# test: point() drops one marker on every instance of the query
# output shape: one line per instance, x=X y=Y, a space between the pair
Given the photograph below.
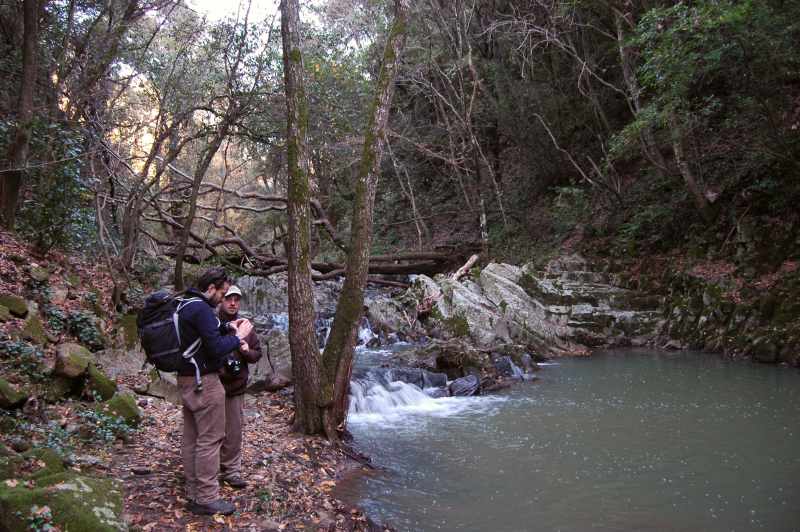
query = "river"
x=621 y=440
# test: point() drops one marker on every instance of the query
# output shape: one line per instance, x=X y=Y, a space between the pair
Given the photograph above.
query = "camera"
x=233 y=366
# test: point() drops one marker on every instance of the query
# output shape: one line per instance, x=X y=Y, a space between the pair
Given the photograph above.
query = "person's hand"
x=243 y=347
x=243 y=328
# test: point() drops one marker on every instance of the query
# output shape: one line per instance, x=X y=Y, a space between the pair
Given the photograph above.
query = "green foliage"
x=23 y=356
x=55 y=212
x=41 y=519
x=57 y=318
x=105 y=428
x=570 y=207
x=83 y=325
x=644 y=228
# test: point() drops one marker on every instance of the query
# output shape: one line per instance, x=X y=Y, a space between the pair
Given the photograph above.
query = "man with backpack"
x=234 y=375
x=204 y=401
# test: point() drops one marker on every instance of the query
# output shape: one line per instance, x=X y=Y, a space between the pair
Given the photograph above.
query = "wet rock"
x=16 y=305
x=765 y=350
x=506 y=367
x=10 y=397
x=72 y=360
x=407 y=375
x=436 y=393
x=465 y=386
x=433 y=380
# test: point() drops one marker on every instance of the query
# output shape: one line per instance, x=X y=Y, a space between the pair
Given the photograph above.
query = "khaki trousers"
x=231 y=454
x=203 y=432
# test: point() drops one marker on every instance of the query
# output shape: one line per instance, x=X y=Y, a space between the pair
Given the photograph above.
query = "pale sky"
x=217 y=9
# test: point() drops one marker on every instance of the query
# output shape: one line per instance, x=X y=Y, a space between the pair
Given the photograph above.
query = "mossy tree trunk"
x=337 y=359
x=302 y=338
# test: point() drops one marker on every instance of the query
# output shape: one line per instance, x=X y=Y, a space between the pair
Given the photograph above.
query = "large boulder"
x=264 y=295
x=528 y=317
x=275 y=365
x=465 y=386
x=72 y=360
x=385 y=315
x=162 y=385
x=10 y=397
x=120 y=362
x=455 y=358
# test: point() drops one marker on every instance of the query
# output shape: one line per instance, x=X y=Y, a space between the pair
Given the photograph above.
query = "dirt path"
x=290 y=477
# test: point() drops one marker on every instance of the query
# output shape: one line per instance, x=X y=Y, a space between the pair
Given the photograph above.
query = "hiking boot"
x=217 y=507
x=234 y=482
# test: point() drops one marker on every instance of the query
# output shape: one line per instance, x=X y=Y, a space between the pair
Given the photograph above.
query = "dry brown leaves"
x=290 y=477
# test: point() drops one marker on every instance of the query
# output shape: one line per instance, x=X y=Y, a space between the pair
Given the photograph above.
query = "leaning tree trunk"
x=199 y=173
x=337 y=360
x=302 y=339
x=17 y=155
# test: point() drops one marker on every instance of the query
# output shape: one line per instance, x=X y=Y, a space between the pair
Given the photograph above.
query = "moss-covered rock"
x=10 y=466
x=72 y=360
x=10 y=397
x=77 y=503
x=46 y=462
x=5 y=314
x=98 y=383
x=130 y=332
x=58 y=388
x=122 y=405
x=15 y=304
x=33 y=331
x=39 y=274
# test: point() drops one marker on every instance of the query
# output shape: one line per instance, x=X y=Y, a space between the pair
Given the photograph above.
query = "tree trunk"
x=199 y=174
x=17 y=155
x=337 y=360
x=302 y=339
x=700 y=200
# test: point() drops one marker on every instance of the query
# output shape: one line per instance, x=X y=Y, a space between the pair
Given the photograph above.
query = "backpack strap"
x=190 y=351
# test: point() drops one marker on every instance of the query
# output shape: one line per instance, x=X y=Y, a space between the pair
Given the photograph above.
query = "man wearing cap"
x=234 y=375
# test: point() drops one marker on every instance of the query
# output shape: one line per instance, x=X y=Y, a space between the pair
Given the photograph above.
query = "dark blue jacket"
x=198 y=320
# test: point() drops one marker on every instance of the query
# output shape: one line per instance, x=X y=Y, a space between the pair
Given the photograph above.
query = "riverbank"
x=55 y=432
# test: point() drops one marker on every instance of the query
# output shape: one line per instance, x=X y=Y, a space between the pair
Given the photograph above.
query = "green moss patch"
x=33 y=331
x=16 y=305
x=129 y=330
x=10 y=397
x=5 y=314
x=122 y=405
x=98 y=383
x=77 y=503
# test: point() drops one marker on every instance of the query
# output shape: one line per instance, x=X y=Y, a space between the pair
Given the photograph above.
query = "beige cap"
x=233 y=291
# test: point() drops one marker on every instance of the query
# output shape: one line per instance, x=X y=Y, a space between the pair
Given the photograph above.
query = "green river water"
x=622 y=440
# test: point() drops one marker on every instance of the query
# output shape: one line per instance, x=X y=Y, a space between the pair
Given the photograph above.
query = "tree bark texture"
x=302 y=339
x=17 y=156
x=337 y=359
